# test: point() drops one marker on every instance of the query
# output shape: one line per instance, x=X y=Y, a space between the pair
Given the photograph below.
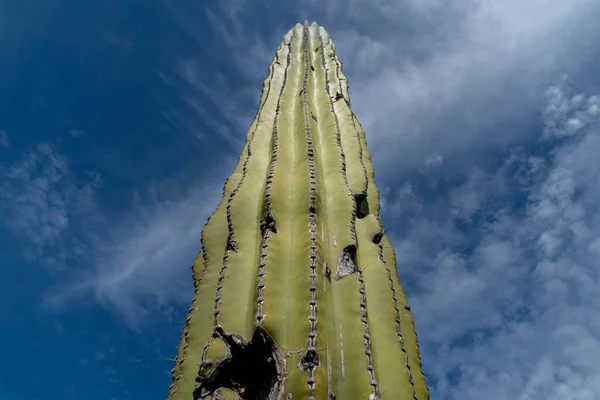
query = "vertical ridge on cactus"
x=296 y=292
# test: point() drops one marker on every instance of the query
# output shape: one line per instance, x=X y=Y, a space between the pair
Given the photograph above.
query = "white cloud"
x=434 y=160
x=565 y=117
x=445 y=76
x=427 y=77
x=41 y=197
x=508 y=307
x=135 y=261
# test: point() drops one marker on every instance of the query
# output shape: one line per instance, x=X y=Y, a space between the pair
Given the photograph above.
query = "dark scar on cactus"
x=268 y=224
x=362 y=205
x=376 y=239
x=231 y=245
x=346 y=264
x=253 y=370
x=309 y=360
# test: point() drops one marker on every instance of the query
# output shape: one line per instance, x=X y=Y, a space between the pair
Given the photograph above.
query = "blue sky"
x=120 y=121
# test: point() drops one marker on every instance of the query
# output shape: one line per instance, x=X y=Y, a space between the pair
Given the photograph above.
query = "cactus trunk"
x=296 y=291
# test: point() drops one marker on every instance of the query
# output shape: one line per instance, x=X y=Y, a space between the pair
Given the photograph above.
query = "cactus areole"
x=296 y=291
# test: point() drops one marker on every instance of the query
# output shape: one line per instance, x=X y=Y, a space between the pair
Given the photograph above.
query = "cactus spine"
x=296 y=292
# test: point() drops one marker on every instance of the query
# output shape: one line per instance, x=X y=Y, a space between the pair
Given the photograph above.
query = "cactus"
x=296 y=291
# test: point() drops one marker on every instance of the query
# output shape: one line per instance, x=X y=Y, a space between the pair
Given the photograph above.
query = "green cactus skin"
x=296 y=292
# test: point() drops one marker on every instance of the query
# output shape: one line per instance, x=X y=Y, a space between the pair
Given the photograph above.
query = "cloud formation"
x=135 y=262
x=428 y=79
x=505 y=285
x=44 y=203
x=140 y=261
x=452 y=78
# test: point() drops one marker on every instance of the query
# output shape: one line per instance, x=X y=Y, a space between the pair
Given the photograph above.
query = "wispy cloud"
x=221 y=81
x=135 y=261
x=434 y=160
x=4 y=142
x=44 y=201
x=76 y=132
x=140 y=262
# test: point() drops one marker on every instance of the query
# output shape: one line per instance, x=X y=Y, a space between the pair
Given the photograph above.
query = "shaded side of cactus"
x=296 y=291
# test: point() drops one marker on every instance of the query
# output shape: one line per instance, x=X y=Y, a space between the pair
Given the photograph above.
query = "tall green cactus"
x=297 y=295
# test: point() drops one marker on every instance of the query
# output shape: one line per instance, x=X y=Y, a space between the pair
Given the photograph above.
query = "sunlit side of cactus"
x=296 y=291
